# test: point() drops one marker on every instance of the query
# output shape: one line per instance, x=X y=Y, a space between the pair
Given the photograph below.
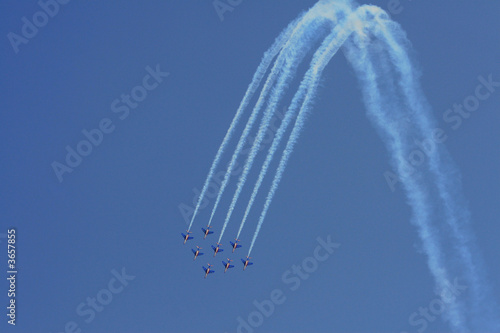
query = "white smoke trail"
x=378 y=52
x=446 y=178
x=269 y=55
x=305 y=42
x=375 y=77
x=290 y=114
x=391 y=94
x=311 y=81
x=283 y=67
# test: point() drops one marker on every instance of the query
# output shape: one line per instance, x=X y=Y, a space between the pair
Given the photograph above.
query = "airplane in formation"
x=246 y=262
x=217 y=249
x=186 y=236
x=235 y=245
x=227 y=265
x=207 y=231
x=197 y=252
x=208 y=270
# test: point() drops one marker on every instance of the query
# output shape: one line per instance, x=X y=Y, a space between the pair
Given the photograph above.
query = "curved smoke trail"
x=378 y=52
x=283 y=69
x=311 y=81
x=330 y=45
x=306 y=42
x=376 y=79
x=269 y=55
x=465 y=260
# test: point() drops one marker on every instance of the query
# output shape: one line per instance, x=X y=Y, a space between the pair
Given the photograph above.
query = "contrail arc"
x=283 y=68
x=311 y=80
x=269 y=55
x=378 y=51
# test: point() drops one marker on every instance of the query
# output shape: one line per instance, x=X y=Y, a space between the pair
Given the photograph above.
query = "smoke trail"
x=278 y=91
x=284 y=67
x=257 y=78
x=379 y=105
x=445 y=176
x=378 y=52
x=392 y=94
x=433 y=190
x=291 y=113
x=311 y=81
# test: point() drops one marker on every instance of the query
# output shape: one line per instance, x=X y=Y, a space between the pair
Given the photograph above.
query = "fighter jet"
x=207 y=231
x=217 y=249
x=246 y=262
x=186 y=236
x=197 y=252
x=208 y=270
x=235 y=245
x=227 y=265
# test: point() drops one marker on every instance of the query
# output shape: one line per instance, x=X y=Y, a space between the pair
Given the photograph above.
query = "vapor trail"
x=306 y=41
x=377 y=85
x=377 y=48
x=433 y=189
x=290 y=114
x=283 y=68
x=307 y=92
x=465 y=260
x=269 y=55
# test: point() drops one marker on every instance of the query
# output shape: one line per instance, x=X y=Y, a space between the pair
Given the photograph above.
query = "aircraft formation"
x=217 y=249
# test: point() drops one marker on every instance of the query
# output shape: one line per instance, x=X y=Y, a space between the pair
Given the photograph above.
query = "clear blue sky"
x=119 y=208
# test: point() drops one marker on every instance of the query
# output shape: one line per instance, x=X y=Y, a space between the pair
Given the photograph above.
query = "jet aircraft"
x=208 y=270
x=235 y=245
x=197 y=252
x=217 y=249
x=207 y=231
x=246 y=262
x=186 y=236
x=227 y=265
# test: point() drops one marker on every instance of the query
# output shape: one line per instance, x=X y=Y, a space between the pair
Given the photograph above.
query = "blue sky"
x=117 y=212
